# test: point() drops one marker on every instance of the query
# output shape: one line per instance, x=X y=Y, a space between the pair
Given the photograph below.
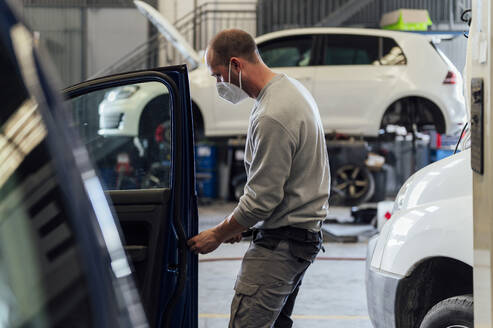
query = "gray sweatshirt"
x=286 y=160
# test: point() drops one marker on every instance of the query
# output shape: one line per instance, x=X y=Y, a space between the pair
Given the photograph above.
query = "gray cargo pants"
x=266 y=287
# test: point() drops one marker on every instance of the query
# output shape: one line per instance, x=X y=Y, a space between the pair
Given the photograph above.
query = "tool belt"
x=303 y=244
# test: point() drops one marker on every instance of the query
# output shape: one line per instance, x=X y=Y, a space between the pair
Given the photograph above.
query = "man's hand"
x=205 y=242
x=228 y=231
x=234 y=239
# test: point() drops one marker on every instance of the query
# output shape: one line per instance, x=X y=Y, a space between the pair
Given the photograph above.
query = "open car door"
x=148 y=176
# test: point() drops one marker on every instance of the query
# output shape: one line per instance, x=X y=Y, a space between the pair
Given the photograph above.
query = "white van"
x=419 y=268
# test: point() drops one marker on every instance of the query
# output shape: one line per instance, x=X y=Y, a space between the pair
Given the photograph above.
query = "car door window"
x=391 y=53
x=340 y=49
x=287 y=52
x=127 y=131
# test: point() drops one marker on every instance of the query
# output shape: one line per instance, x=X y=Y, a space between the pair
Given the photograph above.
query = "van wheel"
x=454 y=312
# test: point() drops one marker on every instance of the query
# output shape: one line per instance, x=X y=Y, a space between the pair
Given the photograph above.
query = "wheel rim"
x=457 y=326
x=352 y=181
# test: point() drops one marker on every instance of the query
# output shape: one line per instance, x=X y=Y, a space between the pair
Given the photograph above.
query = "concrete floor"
x=333 y=291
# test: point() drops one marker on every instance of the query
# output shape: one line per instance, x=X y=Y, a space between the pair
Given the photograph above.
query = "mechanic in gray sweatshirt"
x=286 y=195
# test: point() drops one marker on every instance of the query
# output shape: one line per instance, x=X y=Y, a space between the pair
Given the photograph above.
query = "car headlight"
x=122 y=93
x=401 y=196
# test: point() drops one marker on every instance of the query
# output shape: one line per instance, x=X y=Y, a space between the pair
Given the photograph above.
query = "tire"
x=454 y=312
x=380 y=193
x=154 y=113
x=352 y=184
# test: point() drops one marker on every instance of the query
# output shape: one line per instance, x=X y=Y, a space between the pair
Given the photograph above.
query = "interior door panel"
x=144 y=220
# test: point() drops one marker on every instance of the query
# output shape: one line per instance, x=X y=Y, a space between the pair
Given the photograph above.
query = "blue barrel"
x=206 y=184
x=206 y=171
x=205 y=157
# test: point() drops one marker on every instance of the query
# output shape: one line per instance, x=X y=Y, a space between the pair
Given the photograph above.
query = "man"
x=287 y=189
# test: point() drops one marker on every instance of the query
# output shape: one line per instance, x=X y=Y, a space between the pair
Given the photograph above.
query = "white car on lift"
x=362 y=80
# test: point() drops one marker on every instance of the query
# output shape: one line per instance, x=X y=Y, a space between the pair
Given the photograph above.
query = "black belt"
x=290 y=233
x=303 y=244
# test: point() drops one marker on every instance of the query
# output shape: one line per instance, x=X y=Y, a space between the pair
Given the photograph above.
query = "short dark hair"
x=233 y=43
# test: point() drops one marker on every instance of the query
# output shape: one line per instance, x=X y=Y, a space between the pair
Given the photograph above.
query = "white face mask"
x=230 y=92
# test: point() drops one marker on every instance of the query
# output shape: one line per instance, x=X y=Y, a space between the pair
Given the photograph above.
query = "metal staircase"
x=197 y=27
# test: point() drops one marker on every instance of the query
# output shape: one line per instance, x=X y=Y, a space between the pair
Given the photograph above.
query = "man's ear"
x=236 y=63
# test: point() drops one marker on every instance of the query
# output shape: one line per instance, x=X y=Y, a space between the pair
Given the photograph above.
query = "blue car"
x=93 y=227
